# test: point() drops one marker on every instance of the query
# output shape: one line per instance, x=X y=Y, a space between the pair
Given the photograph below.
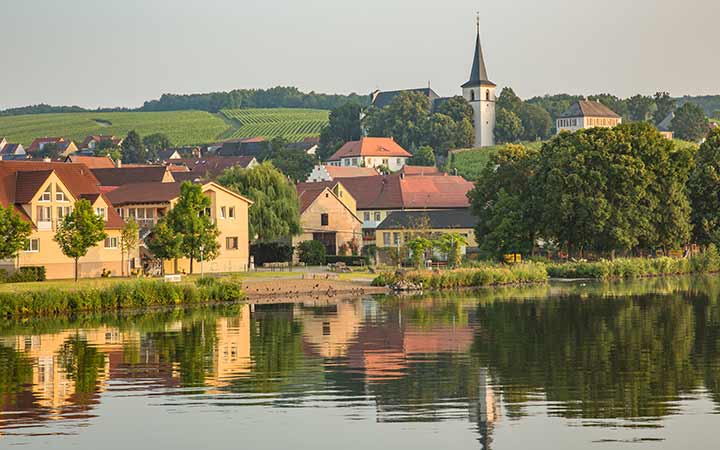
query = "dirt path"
x=296 y=290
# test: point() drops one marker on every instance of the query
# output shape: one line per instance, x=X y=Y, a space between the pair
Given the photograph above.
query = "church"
x=479 y=91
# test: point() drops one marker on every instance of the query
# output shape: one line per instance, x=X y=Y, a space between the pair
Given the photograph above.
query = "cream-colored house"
x=400 y=226
x=147 y=203
x=587 y=114
x=328 y=215
x=43 y=193
x=371 y=152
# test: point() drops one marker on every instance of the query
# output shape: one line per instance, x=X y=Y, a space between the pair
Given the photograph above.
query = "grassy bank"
x=115 y=297
x=490 y=275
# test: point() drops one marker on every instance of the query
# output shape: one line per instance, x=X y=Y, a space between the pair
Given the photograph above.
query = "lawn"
x=293 y=124
x=182 y=127
x=471 y=162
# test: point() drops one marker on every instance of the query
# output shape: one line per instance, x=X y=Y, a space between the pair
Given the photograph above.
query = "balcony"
x=44 y=225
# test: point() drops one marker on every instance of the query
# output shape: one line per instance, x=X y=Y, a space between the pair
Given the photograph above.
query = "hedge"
x=23 y=275
x=348 y=260
x=490 y=275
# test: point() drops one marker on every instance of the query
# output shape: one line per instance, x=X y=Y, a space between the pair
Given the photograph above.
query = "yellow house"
x=399 y=226
x=43 y=193
x=147 y=203
x=328 y=215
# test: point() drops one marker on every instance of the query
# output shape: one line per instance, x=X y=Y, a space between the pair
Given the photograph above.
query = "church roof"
x=384 y=98
x=478 y=73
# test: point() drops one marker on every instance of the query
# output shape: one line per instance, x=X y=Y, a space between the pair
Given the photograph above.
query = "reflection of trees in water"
x=189 y=349
x=82 y=364
x=15 y=375
x=598 y=358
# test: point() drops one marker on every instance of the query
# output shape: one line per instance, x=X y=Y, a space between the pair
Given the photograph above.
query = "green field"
x=292 y=124
x=471 y=162
x=182 y=127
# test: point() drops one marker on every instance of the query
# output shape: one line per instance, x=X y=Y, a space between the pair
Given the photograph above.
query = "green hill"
x=472 y=161
x=290 y=123
x=182 y=127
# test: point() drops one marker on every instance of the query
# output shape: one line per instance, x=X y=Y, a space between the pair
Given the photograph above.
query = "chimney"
x=118 y=163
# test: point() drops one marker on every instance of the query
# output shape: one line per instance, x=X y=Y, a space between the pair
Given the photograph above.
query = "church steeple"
x=478 y=73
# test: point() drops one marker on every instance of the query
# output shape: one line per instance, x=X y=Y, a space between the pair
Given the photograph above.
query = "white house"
x=371 y=152
x=587 y=114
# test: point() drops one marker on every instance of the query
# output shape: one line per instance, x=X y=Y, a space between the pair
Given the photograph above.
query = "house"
x=307 y=146
x=210 y=167
x=92 y=142
x=587 y=114
x=64 y=146
x=330 y=173
x=92 y=162
x=164 y=155
x=378 y=196
x=43 y=193
x=148 y=202
x=371 y=152
x=244 y=147
x=13 y=152
x=119 y=176
x=665 y=127
x=395 y=230
x=328 y=215
x=3 y=143
x=381 y=99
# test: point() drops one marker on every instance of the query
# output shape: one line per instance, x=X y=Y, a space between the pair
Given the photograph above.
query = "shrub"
x=311 y=253
x=270 y=252
x=487 y=275
x=348 y=260
x=27 y=274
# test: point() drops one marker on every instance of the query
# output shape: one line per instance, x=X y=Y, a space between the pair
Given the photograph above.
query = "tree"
x=704 y=187
x=457 y=108
x=50 y=150
x=613 y=102
x=536 y=122
x=275 y=213
x=664 y=105
x=450 y=244
x=79 y=231
x=406 y=119
x=509 y=101
x=129 y=240
x=164 y=243
x=343 y=126
x=296 y=164
x=690 y=123
x=418 y=246
x=442 y=133
x=424 y=156
x=640 y=107
x=508 y=127
x=311 y=253
x=14 y=231
x=155 y=143
x=189 y=220
x=133 y=150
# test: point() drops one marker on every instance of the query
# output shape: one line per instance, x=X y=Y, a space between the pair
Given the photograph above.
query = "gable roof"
x=100 y=138
x=213 y=166
x=119 y=176
x=28 y=183
x=144 y=192
x=383 y=98
x=309 y=192
x=11 y=149
x=666 y=124
x=448 y=219
x=588 y=108
x=478 y=73
x=92 y=162
x=397 y=191
x=37 y=142
x=421 y=170
x=370 y=146
x=349 y=171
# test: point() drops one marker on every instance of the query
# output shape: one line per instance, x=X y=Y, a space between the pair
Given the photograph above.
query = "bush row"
x=348 y=260
x=23 y=275
x=489 y=275
x=706 y=262
x=130 y=295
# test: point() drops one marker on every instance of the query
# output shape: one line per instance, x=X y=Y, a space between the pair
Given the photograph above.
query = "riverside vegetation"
x=128 y=295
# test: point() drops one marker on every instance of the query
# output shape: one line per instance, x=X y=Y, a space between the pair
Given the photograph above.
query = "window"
x=386 y=239
x=101 y=212
x=487 y=95
x=385 y=162
x=62 y=211
x=324 y=220
x=33 y=246
x=60 y=195
x=231 y=243
x=396 y=238
x=399 y=161
x=111 y=242
x=222 y=212
x=44 y=213
x=47 y=195
x=366 y=216
x=377 y=216
x=231 y=212
x=472 y=96
x=326 y=328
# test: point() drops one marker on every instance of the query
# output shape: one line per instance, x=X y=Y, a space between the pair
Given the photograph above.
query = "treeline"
x=277 y=97
x=623 y=191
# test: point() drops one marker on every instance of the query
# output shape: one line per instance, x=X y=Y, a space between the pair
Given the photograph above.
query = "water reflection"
x=608 y=355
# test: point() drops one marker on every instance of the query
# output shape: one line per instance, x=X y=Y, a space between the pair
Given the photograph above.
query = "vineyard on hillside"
x=291 y=124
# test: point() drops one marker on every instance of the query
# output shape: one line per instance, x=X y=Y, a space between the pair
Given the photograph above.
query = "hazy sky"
x=122 y=52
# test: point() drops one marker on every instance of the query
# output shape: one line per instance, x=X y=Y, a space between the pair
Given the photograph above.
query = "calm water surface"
x=630 y=365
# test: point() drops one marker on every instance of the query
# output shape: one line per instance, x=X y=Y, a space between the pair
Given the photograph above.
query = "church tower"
x=479 y=91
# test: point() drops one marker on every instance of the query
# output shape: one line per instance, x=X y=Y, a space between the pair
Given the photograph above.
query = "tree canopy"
x=343 y=126
x=14 y=231
x=424 y=156
x=704 y=189
x=690 y=123
x=133 y=150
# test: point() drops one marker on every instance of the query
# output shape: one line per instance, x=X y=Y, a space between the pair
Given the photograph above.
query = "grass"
x=472 y=161
x=293 y=124
x=182 y=127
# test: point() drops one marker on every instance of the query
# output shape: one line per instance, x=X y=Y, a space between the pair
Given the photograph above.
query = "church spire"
x=478 y=73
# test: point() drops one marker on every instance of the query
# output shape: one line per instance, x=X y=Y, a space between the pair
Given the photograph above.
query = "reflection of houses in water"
x=328 y=330
x=232 y=352
x=486 y=412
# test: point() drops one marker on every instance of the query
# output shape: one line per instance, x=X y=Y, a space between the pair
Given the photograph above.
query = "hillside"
x=472 y=161
x=292 y=124
x=182 y=127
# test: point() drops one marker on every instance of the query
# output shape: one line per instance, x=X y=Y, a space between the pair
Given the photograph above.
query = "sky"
x=122 y=52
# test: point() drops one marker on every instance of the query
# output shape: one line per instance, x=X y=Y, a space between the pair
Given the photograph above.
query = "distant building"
x=164 y=155
x=330 y=173
x=13 y=152
x=587 y=114
x=381 y=99
x=392 y=231
x=3 y=143
x=92 y=142
x=209 y=167
x=92 y=162
x=371 y=152
x=244 y=147
x=665 y=127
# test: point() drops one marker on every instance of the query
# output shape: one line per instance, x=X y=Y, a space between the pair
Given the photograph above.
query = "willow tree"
x=275 y=213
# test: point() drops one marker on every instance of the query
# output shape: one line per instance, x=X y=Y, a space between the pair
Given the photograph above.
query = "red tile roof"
x=119 y=176
x=370 y=146
x=92 y=162
x=421 y=170
x=37 y=142
x=28 y=183
x=308 y=192
x=349 y=172
x=212 y=166
x=138 y=193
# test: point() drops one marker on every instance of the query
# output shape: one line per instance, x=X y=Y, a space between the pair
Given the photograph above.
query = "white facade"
x=573 y=124
x=482 y=99
x=394 y=163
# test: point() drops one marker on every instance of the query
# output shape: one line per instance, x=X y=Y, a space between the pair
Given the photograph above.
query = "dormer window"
x=101 y=212
x=60 y=195
x=47 y=195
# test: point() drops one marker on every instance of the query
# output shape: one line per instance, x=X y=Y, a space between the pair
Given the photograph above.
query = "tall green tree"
x=79 y=231
x=664 y=105
x=129 y=240
x=50 y=150
x=155 y=143
x=14 y=231
x=690 y=123
x=536 y=122
x=509 y=101
x=275 y=213
x=451 y=245
x=406 y=119
x=508 y=126
x=344 y=125
x=190 y=219
x=296 y=164
x=424 y=156
x=133 y=150
x=457 y=108
x=640 y=107
x=164 y=243
x=704 y=186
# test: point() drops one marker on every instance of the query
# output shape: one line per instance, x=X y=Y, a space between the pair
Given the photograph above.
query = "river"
x=563 y=366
